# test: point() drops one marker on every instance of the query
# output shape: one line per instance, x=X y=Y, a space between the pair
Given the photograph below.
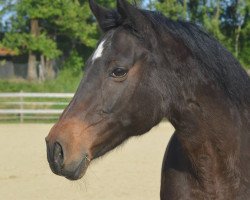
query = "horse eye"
x=119 y=72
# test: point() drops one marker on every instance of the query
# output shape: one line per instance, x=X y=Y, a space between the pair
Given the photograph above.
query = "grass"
x=65 y=82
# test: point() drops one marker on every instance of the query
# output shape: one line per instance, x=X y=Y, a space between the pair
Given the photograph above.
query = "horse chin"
x=79 y=172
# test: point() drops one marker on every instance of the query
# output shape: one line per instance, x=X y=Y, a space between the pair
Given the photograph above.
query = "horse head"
x=113 y=100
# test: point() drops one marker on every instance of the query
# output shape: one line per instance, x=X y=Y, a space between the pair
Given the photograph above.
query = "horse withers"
x=146 y=68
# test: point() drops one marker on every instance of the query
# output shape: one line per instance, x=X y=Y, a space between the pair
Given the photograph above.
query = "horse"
x=147 y=68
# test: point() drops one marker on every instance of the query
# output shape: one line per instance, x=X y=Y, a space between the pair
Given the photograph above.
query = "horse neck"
x=200 y=108
x=209 y=129
x=212 y=130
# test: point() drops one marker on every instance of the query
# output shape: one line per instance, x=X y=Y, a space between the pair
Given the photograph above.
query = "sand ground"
x=131 y=172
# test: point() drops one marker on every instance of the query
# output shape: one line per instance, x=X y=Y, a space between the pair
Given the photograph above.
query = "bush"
x=74 y=64
x=65 y=82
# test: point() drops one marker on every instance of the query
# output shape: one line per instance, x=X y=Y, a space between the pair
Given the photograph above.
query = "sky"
x=145 y=3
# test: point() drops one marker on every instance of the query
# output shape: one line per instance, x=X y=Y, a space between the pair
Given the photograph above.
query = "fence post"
x=21 y=107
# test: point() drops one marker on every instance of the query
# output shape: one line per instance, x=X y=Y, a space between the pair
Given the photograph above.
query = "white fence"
x=32 y=106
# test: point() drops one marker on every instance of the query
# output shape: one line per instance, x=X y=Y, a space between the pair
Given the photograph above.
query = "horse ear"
x=132 y=15
x=137 y=20
x=106 y=18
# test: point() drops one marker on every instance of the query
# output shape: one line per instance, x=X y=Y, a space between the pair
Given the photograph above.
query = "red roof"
x=6 y=52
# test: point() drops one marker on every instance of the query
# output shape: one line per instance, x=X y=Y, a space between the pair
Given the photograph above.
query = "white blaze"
x=99 y=51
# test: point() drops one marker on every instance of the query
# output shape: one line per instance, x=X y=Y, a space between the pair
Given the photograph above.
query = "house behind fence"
x=16 y=66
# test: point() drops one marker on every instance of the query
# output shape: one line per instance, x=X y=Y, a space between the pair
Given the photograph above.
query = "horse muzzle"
x=73 y=170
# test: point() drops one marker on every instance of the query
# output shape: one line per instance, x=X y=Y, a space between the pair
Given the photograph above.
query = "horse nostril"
x=58 y=156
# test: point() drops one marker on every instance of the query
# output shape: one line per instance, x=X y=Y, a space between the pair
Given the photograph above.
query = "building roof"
x=6 y=52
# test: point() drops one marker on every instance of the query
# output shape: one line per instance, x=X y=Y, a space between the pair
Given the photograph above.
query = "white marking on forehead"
x=99 y=51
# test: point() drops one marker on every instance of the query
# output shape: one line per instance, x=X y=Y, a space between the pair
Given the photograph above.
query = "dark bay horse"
x=146 y=68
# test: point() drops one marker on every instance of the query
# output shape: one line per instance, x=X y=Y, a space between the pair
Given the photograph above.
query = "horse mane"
x=216 y=63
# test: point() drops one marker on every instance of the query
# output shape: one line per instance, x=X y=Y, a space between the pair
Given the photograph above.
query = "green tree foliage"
x=171 y=8
x=50 y=29
x=67 y=17
x=74 y=63
x=22 y=42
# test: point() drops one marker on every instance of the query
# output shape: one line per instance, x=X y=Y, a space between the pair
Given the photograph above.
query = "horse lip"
x=80 y=171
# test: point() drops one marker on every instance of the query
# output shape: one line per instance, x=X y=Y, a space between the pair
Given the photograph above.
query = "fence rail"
x=32 y=106
x=38 y=95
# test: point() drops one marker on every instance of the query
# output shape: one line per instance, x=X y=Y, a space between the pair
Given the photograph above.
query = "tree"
x=26 y=35
x=170 y=8
x=39 y=27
